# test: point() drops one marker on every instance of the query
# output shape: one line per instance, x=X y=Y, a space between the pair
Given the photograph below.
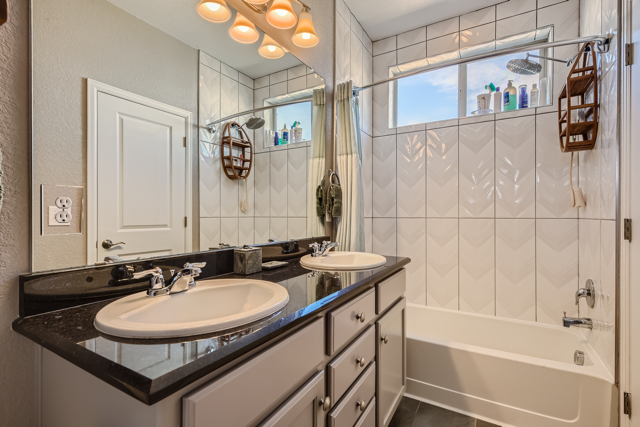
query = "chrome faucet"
x=181 y=281
x=322 y=250
x=588 y=293
x=578 y=322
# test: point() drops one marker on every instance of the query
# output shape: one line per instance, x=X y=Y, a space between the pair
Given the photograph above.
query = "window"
x=295 y=113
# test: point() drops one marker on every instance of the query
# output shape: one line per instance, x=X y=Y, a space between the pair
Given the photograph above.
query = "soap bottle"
x=276 y=139
x=285 y=135
x=510 y=97
x=524 y=97
x=533 y=96
x=292 y=134
x=298 y=132
x=497 y=100
x=543 y=92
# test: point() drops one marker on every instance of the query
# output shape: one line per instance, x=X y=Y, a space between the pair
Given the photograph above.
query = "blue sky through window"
x=295 y=113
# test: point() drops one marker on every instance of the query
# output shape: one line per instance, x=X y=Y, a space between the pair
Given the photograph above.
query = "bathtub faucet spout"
x=578 y=322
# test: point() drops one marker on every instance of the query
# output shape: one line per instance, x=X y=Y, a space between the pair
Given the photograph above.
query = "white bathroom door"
x=141 y=179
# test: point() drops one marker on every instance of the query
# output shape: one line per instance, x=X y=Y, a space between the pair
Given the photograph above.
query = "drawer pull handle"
x=362 y=405
x=361 y=361
x=385 y=339
x=325 y=403
x=360 y=317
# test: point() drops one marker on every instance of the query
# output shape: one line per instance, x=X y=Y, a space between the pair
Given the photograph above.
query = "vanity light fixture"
x=270 y=49
x=305 y=35
x=243 y=31
x=214 y=10
x=281 y=15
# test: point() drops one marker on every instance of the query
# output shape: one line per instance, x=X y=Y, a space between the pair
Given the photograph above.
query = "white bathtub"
x=508 y=372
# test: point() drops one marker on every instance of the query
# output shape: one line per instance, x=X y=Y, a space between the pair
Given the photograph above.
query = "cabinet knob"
x=325 y=403
x=384 y=339
x=362 y=405
x=360 y=317
x=361 y=361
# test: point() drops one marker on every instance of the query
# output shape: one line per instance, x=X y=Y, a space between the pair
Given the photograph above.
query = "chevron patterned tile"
x=442 y=172
x=516 y=268
x=261 y=169
x=608 y=144
x=246 y=232
x=229 y=196
x=343 y=50
x=556 y=268
x=208 y=100
x=367 y=174
x=411 y=179
x=384 y=176
x=411 y=240
x=477 y=266
x=381 y=111
x=261 y=230
x=278 y=228
x=297 y=182
x=477 y=170
x=278 y=185
x=442 y=263
x=368 y=235
x=229 y=231
x=516 y=168
x=229 y=96
x=210 y=169
x=209 y=233
x=384 y=236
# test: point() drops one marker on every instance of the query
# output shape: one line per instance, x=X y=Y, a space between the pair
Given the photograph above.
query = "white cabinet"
x=304 y=409
x=391 y=362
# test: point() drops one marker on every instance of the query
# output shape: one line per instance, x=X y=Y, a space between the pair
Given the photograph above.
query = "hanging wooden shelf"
x=582 y=82
x=237 y=152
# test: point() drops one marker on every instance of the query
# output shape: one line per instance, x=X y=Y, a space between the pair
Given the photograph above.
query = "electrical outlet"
x=59 y=216
x=64 y=202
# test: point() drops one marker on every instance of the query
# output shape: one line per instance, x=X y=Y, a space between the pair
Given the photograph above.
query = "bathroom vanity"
x=333 y=356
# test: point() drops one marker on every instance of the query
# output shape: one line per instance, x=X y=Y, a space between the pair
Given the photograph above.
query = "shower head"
x=254 y=123
x=524 y=67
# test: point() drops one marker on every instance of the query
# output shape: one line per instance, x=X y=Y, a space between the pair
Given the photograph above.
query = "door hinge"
x=185 y=222
x=628 y=54
x=627 y=404
x=184 y=140
x=627 y=229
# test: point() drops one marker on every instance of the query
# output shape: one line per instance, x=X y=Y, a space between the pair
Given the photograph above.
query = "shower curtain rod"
x=602 y=45
x=211 y=126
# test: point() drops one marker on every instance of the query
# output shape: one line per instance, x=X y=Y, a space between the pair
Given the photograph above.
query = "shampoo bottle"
x=533 y=96
x=285 y=135
x=524 y=97
x=542 y=99
x=298 y=132
x=510 y=97
x=497 y=100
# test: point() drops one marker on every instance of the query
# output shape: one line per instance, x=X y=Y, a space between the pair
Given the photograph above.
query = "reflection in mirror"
x=124 y=165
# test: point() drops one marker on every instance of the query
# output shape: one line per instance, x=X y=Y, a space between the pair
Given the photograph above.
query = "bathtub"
x=508 y=372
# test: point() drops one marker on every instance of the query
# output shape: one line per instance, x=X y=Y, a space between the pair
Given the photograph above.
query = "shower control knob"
x=362 y=405
x=385 y=339
x=361 y=361
x=360 y=317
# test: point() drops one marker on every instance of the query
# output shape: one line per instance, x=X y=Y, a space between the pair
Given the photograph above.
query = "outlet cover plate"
x=48 y=196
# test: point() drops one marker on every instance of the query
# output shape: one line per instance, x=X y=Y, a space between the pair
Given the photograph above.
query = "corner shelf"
x=581 y=80
x=236 y=165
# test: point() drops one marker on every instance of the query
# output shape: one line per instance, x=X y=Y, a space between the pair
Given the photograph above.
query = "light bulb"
x=271 y=48
x=243 y=28
x=306 y=36
x=281 y=12
x=213 y=6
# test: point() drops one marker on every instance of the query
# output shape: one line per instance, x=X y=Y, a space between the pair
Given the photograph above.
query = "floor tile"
x=433 y=416
x=481 y=423
x=405 y=413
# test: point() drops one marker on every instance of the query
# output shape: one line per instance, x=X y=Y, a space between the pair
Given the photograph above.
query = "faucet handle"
x=154 y=272
x=195 y=265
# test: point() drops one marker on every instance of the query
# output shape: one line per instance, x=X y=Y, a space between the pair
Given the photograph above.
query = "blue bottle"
x=276 y=140
x=524 y=97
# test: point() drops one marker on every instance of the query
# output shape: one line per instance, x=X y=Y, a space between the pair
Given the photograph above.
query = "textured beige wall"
x=76 y=40
x=17 y=354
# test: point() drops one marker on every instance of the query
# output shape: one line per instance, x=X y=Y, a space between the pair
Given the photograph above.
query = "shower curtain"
x=350 y=232
x=315 y=224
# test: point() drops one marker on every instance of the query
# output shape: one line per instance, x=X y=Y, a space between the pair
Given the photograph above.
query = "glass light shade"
x=281 y=15
x=270 y=49
x=258 y=2
x=214 y=10
x=243 y=31
x=305 y=35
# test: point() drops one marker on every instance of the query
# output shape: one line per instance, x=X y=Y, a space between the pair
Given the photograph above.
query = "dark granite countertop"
x=151 y=370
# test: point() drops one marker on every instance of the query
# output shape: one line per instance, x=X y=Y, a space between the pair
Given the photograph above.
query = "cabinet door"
x=303 y=409
x=390 y=357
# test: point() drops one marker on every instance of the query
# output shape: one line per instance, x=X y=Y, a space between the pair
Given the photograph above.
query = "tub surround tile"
x=384 y=236
x=278 y=228
x=442 y=263
x=516 y=268
x=229 y=196
x=477 y=266
x=477 y=170
x=384 y=177
x=516 y=25
x=297 y=182
x=368 y=235
x=514 y=7
x=381 y=111
x=477 y=35
x=556 y=269
x=209 y=61
x=411 y=241
x=262 y=167
x=262 y=229
x=443 y=28
x=278 y=186
x=442 y=172
x=356 y=60
x=479 y=17
x=412 y=53
x=590 y=181
x=411 y=166
x=412 y=37
x=209 y=179
x=209 y=233
x=384 y=46
x=296 y=228
x=443 y=44
x=608 y=149
x=367 y=174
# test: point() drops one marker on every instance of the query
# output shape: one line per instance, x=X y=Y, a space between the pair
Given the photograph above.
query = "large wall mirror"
x=127 y=140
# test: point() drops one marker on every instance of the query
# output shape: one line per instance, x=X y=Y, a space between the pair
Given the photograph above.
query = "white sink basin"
x=213 y=305
x=343 y=261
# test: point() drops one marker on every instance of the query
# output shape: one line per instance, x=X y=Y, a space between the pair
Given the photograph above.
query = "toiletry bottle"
x=298 y=131
x=510 y=97
x=292 y=134
x=533 y=96
x=497 y=100
x=276 y=139
x=285 y=135
x=523 y=101
x=542 y=98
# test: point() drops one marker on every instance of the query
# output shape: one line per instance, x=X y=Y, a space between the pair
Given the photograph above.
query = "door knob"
x=360 y=317
x=108 y=244
x=384 y=339
x=362 y=405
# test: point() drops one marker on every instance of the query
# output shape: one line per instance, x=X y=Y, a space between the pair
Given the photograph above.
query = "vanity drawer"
x=347 y=321
x=344 y=369
x=368 y=419
x=347 y=412
x=262 y=381
x=390 y=290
